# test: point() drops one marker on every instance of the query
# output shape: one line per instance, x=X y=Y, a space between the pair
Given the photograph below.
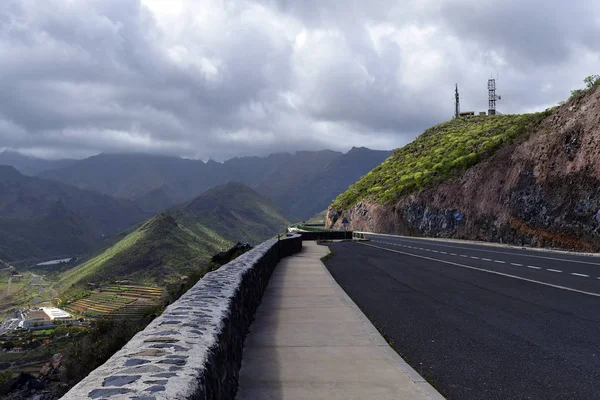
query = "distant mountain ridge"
x=156 y=183
x=31 y=165
x=40 y=218
x=184 y=237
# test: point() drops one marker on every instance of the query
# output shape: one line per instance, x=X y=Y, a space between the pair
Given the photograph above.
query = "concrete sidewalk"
x=310 y=341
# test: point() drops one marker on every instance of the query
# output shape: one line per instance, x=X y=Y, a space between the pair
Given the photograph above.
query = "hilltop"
x=183 y=238
x=529 y=179
x=41 y=219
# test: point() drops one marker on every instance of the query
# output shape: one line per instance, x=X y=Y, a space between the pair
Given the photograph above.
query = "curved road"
x=481 y=321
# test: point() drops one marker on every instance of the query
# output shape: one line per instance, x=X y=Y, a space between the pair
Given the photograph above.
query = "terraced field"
x=122 y=301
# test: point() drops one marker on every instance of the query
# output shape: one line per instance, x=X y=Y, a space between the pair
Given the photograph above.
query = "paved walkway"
x=310 y=341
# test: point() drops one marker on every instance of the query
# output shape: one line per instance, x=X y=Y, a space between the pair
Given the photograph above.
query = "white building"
x=56 y=314
x=43 y=316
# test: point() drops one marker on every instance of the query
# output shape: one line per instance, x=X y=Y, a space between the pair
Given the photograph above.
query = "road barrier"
x=326 y=235
x=194 y=349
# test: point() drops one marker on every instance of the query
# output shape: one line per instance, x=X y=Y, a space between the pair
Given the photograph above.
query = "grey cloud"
x=253 y=77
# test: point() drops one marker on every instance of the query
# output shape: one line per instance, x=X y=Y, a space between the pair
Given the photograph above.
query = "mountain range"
x=183 y=237
x=70 y=207
x=31 y=165
x=301 y=184
x=41 y=218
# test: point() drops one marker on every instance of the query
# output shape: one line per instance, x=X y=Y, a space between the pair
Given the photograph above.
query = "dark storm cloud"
x=529 y=33
x=219 y=79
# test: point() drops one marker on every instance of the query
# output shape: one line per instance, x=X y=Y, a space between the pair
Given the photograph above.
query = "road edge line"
x=421 y=383
x=487 y=270
x=489 y=244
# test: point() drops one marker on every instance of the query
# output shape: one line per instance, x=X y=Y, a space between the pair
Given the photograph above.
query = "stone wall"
x=194 y=349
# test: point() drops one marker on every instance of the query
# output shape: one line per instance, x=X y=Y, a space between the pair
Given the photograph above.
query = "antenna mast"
x=492 y=97
x=456 y=102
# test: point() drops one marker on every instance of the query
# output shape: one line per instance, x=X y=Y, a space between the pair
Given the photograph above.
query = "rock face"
x=194 y=349
x=544 y=191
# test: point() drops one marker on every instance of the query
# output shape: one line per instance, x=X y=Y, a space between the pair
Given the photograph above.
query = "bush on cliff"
x=437 y=155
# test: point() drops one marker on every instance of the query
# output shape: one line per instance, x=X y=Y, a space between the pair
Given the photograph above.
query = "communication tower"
x=492 y=97
x=456 y=102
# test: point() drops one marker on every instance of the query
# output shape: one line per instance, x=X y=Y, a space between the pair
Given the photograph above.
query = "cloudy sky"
x=222 y=78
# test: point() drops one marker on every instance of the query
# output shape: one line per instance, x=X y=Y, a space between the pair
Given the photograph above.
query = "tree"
x=591 y=81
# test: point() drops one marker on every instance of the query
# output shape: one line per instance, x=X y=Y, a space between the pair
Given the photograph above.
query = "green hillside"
x=236 y=212
x=172 y=243
x=43 y=219
x=438 y=155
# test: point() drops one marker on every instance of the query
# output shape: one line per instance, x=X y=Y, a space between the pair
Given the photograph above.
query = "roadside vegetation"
x=590 y=82
x=438 y=155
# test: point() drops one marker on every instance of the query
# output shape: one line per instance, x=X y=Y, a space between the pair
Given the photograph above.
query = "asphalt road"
x=481 y=322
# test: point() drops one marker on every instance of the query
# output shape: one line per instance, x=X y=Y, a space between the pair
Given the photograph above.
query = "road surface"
x=478 y=321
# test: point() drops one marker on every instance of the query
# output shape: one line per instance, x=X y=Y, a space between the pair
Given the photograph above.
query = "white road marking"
x=486 y=259
x=438 y=243
x=475 y=258
x=488 y=271
x=516 y=264
x=443 y=252
x=533 y=266
x=452 y=254
x=435 y=251
x=464 y=255
x=553 y=270
x=500 y=262
x=577 y=274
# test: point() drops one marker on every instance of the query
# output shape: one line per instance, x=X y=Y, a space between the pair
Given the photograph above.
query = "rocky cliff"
x=540 y=189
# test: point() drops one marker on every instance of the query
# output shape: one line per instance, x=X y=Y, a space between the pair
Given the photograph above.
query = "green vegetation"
x=438 y=155
x=318 y=218
x=590 y=82
x=309 y=228
x=180 y=241
x=159 y=249
x=116 y=300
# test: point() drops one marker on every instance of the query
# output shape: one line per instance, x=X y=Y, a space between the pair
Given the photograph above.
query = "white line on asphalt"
x=516 y=264
x=577 y=274
x=452 y=254
x=488 y=271
x=500 y=262
x=435 y=251
x=533 y=267
x=475 y=258
x=443 y=252
x=553 y=270
x=486 y=259
x=438 y=243
x=464 y=255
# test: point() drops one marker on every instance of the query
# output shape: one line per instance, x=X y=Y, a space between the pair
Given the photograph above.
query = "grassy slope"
x=166 y=245
x=158 y=249
x=237 y=213
x=438 y=155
